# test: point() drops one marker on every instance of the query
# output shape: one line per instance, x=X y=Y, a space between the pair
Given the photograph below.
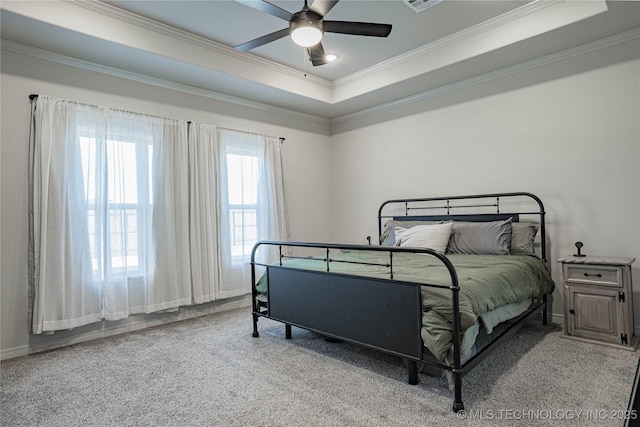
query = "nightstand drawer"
x=597 y=275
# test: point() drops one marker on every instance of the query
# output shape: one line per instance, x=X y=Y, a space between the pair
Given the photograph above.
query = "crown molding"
x=617 y=39
x=112 y=12
x=521 y=24
x=22 y=49
x=191 y=48
x=611 y=41
x=498 y=21
x=104 y=22
x=587 y=48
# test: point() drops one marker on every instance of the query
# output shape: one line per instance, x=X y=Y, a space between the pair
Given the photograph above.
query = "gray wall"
x=568 y=131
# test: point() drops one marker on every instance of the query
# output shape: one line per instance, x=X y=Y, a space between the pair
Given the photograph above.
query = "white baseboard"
x=556 y=318
x=135 y=323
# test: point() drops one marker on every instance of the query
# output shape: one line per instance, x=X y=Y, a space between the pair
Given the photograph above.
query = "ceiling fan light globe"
x=306 y=36
x=305 y=28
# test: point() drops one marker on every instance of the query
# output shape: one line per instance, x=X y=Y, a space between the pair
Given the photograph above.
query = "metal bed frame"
x=359 y=306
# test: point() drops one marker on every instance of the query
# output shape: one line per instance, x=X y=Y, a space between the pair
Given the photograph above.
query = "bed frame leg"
x=287 y=331
x=255 y=326
x=412 y=371
x=545 y=313
x=458 y=405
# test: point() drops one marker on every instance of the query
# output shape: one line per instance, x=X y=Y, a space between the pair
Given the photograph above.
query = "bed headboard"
x=479 y=207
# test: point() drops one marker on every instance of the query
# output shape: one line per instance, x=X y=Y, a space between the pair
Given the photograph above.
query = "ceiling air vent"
x=420 y=5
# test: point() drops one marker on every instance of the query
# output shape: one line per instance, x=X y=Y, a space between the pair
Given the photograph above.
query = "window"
x=128 y=217
x=242 y=184
x=236 y=200
x=118 y=200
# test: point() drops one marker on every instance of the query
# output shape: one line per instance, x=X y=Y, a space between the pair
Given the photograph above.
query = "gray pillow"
x=523 y=235
x=481 y=238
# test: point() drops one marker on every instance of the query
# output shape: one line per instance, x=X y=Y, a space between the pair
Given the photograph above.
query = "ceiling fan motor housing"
x=305 y=18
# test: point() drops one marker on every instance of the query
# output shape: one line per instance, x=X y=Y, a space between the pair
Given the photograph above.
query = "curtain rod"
x=35 y=96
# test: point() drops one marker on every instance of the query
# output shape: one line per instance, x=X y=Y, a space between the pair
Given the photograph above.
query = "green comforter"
x=486 y=283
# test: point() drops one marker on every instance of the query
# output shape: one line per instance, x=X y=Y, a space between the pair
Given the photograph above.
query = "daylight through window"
x=243 y=172
x=118 y=197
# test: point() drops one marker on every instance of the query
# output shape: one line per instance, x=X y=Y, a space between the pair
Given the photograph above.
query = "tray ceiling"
x=191 y=44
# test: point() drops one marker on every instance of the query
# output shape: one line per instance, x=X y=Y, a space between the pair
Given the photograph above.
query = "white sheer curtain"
x=204 y=211
x=108 y=214
x=237 y=185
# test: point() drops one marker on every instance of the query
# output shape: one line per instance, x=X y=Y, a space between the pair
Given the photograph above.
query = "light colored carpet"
x=209 y=371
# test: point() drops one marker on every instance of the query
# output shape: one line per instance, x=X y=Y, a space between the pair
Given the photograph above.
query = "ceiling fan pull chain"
x=304 y=60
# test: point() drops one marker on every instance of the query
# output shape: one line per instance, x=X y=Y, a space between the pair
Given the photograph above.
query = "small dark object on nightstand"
x=579 y=245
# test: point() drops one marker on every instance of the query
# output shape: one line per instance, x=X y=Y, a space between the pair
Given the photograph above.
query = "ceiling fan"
x=307 y=26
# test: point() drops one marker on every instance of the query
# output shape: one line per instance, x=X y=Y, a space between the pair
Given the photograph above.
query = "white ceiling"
x=190 y=45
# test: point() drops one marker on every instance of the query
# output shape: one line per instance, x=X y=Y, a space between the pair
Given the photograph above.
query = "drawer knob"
x=592 y=275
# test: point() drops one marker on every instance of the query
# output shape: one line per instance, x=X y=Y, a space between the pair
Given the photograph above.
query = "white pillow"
x=435 y=236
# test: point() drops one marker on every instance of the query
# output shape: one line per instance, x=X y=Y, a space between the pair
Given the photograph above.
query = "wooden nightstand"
x=598 y=300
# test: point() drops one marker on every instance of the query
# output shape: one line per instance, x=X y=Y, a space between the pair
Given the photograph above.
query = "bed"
x=444 y=272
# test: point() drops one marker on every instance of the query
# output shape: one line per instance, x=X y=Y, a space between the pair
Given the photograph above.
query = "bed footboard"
x=376 y=313
x=383 y=314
